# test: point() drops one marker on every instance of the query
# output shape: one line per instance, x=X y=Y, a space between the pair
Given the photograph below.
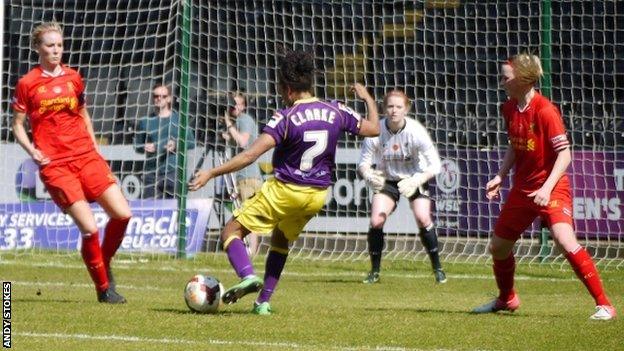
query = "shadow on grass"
x=219 y=313
x=335 y=281
x=467 y=312
x=46 y=300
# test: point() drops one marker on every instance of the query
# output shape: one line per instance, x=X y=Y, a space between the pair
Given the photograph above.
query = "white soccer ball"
x=203 y=294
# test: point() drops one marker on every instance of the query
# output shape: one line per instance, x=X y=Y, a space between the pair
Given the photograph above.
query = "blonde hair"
x=527 y=68
x=399 y=93
x=241 y=95
x=38 y=31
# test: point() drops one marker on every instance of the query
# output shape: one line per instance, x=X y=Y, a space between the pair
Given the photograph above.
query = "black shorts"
x=391 y=189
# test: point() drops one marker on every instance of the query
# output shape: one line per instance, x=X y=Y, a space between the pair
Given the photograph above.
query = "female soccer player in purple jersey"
x=305 y=135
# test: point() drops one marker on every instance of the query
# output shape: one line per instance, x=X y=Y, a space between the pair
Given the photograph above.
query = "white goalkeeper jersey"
x=402 y=154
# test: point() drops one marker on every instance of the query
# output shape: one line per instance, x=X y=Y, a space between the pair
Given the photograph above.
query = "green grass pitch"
x=318 y=305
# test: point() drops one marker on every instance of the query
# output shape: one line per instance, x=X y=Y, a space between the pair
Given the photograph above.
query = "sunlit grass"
x=317 y=306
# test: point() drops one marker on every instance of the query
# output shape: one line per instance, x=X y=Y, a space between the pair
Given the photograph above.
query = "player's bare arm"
x=508 y=162
x=87 y=119
x=241 y=139
x=370 y=126
x=492 y=188
x=22 y=138
x=263 y=144
x=541 y=196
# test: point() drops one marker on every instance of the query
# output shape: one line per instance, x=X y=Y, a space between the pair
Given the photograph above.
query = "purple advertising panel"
x=462 y=208
x=152 y=228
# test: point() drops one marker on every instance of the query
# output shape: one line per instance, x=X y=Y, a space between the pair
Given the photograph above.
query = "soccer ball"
x=203 y=294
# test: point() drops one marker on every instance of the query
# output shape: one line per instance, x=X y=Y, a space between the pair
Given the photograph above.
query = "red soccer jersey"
x=52 y=105
x=536 y=134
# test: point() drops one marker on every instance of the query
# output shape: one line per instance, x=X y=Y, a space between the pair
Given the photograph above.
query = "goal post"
x=184 y=121
x=546 y=89
x=444 y=54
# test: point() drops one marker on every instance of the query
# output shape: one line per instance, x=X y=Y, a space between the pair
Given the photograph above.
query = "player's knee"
x=498 y=251
x=231 y=231
x=492 y=249
x=378 y=221
x=226 y=240
x=124 y=217
x=121 y=212
x=86 y=226
x=423 y=220
x=279 y=240
x=280 y=247
x=226 y=235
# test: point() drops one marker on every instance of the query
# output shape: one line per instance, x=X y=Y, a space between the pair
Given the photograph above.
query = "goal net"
x=444 y=54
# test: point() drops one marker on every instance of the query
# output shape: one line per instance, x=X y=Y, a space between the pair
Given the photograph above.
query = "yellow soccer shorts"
x=247 y=187
x=283 y=205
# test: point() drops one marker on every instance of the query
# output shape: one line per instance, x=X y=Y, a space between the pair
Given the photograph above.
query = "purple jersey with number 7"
x=306 y=135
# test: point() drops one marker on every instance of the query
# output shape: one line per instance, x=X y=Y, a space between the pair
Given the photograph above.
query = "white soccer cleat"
x=498 y=305
x=603 y=313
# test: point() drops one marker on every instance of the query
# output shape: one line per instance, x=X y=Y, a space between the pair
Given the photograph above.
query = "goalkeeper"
x=406 y=159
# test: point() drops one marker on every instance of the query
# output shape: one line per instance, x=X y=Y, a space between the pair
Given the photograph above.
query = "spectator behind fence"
x=241 y=132
x=157 y=137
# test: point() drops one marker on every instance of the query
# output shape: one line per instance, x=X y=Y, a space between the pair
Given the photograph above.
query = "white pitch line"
x=281 y=345
x=288 y=273
x=36 y=284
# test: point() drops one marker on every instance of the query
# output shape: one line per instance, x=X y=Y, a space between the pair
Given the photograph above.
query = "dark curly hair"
x=296 y=70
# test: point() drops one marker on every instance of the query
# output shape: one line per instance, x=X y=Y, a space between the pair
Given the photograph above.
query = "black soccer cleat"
x=440 y=276
x=110 y=296
x=371 y=278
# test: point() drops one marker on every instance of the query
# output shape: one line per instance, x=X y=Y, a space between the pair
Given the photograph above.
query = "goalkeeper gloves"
x=408 y=186
x=374 y=178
